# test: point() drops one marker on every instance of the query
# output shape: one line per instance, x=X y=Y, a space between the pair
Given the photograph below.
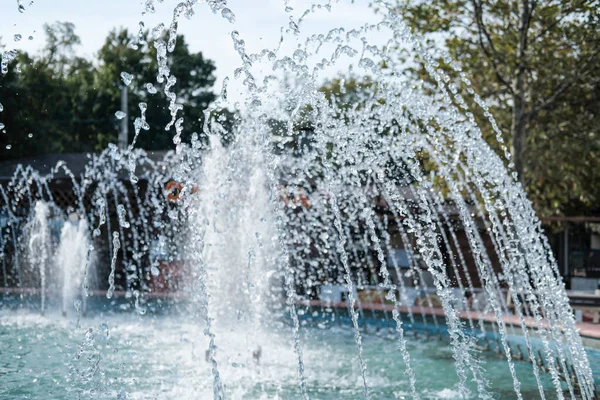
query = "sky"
x=258 y=22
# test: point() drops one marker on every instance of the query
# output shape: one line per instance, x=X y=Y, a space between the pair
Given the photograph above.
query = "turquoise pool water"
x=163 y=357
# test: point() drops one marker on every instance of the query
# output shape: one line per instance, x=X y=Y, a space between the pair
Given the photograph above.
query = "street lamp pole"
x=124 y=133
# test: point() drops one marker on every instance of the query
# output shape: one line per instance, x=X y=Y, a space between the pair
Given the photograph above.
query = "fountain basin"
x=125 y=355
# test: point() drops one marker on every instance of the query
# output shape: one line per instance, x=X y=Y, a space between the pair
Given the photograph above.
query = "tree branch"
x=490 y=53
x=496 y=92
x=523 y=28
x=566 y=84
x=565 y=13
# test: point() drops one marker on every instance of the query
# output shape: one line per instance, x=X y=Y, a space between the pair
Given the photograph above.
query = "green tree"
x=44 y=98
x=536 y=64
x=195 y=78
x=61 y=42
x=56 y=101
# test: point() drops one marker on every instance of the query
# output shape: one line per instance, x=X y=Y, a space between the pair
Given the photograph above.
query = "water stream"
x=241 y=241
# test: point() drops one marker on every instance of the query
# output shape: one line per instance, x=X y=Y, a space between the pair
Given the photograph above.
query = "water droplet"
x=7 y=57
x=1 y=125
x=120 y=114
x=21 y=8
x=18 y=37
x=294 y=26
x=30 y=135
x=30 y=38
x=127 y=78
x=158 y=30
x=8 y=147
x=121 y=214
x=300 y=56
x=223 y=89
x=1 y=107
x=228 y=15
x=150 y=88
x=368 y=64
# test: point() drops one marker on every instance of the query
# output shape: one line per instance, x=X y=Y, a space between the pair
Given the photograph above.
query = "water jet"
x=336 y=248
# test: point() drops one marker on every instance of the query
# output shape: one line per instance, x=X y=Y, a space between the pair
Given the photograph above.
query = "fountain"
x=38 y=247
x=359 y=245
x=71 y=259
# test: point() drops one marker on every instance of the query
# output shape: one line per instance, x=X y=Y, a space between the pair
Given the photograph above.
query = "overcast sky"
x=258 y=22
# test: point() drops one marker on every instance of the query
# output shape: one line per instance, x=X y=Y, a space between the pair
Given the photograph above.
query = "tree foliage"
x=56 y=101
x=537 y=66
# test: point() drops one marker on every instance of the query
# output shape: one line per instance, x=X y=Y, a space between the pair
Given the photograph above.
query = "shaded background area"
x=535 y=65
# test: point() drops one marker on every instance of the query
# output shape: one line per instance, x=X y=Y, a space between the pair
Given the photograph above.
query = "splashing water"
x=127 y=78
x=39 y=246
x=113 y=264
x=71 y=259
x=385 y=194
